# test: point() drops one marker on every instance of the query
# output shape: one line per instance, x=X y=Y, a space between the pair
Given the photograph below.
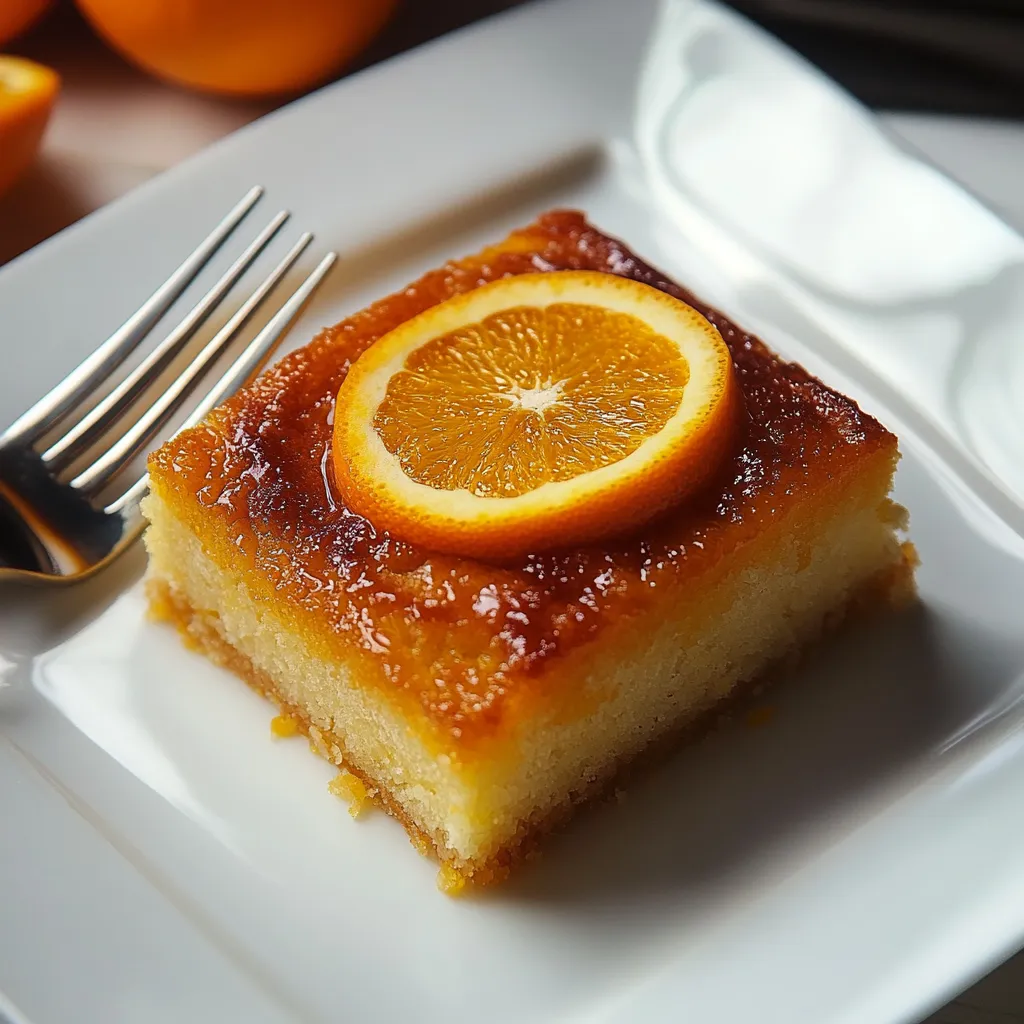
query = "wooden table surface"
x=115 y=127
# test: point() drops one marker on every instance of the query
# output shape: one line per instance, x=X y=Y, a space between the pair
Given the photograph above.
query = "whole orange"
x=17 y=15
x=239 y=47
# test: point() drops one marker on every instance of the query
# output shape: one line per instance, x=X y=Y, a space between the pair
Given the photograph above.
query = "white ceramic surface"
x=854 y=860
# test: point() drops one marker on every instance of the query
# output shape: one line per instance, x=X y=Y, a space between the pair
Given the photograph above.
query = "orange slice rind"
x=538 y=411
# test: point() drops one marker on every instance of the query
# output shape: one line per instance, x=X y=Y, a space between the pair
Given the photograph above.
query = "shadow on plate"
x=35 y=616
x=46 y=201
x=868 y=706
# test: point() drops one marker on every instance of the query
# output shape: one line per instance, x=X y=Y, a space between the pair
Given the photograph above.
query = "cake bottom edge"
x=891 y=588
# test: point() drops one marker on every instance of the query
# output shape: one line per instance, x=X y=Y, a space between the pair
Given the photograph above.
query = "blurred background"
x=136 y=86
x=115 y=124
x=942 y=56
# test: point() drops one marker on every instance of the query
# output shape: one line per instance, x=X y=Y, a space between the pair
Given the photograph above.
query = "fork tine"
x=100 y=418
x=81 y=381
x=259 y=348
x=247 y=363
x=135 y=438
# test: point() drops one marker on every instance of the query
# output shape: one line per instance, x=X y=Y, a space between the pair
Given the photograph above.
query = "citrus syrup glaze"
x=468 y=643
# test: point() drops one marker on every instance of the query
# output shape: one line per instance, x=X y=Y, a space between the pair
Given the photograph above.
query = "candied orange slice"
x=538 y=411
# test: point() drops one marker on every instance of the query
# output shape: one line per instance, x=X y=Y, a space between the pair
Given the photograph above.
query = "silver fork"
x=61 y=516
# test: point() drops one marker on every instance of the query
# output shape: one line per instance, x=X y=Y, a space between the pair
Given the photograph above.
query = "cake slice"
x=479 y=703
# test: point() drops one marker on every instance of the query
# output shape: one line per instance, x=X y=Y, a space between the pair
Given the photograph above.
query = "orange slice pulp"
x=538 y=411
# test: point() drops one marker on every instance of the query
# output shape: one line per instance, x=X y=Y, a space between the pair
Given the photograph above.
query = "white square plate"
x=857 y=859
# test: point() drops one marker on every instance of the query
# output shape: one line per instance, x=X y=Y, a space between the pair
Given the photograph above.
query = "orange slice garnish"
x=538 y=411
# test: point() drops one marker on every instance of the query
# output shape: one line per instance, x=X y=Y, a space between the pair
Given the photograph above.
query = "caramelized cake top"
x=466 y=641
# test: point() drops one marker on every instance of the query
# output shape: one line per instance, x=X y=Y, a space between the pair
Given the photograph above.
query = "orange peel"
x=538 y=411
x=239 y=47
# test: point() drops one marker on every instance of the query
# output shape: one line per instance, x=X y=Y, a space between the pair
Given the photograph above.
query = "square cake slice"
x=479 y=703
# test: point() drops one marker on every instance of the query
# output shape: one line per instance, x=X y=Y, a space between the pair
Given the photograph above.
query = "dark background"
x=941 y=56
x=963 y=57
x=953 y=56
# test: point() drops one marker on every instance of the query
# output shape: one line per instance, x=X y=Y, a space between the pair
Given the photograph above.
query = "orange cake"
x=479 y=701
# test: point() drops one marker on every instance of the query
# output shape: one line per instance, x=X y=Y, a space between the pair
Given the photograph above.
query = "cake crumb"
x=283 y=726
x=317 y=743
x=353 y=791
x=159 y=607
x=760 y=716
x=422 y=845
x=449 y=881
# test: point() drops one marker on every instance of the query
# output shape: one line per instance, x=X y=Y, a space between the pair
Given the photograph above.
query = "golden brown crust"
x=465 y=647
x=893 y=588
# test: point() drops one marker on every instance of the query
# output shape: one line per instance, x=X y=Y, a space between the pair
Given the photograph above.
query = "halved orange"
x=535 y=412
x=28 y=92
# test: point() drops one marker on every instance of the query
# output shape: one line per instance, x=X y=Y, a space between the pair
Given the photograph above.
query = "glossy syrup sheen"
x=474 y=646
